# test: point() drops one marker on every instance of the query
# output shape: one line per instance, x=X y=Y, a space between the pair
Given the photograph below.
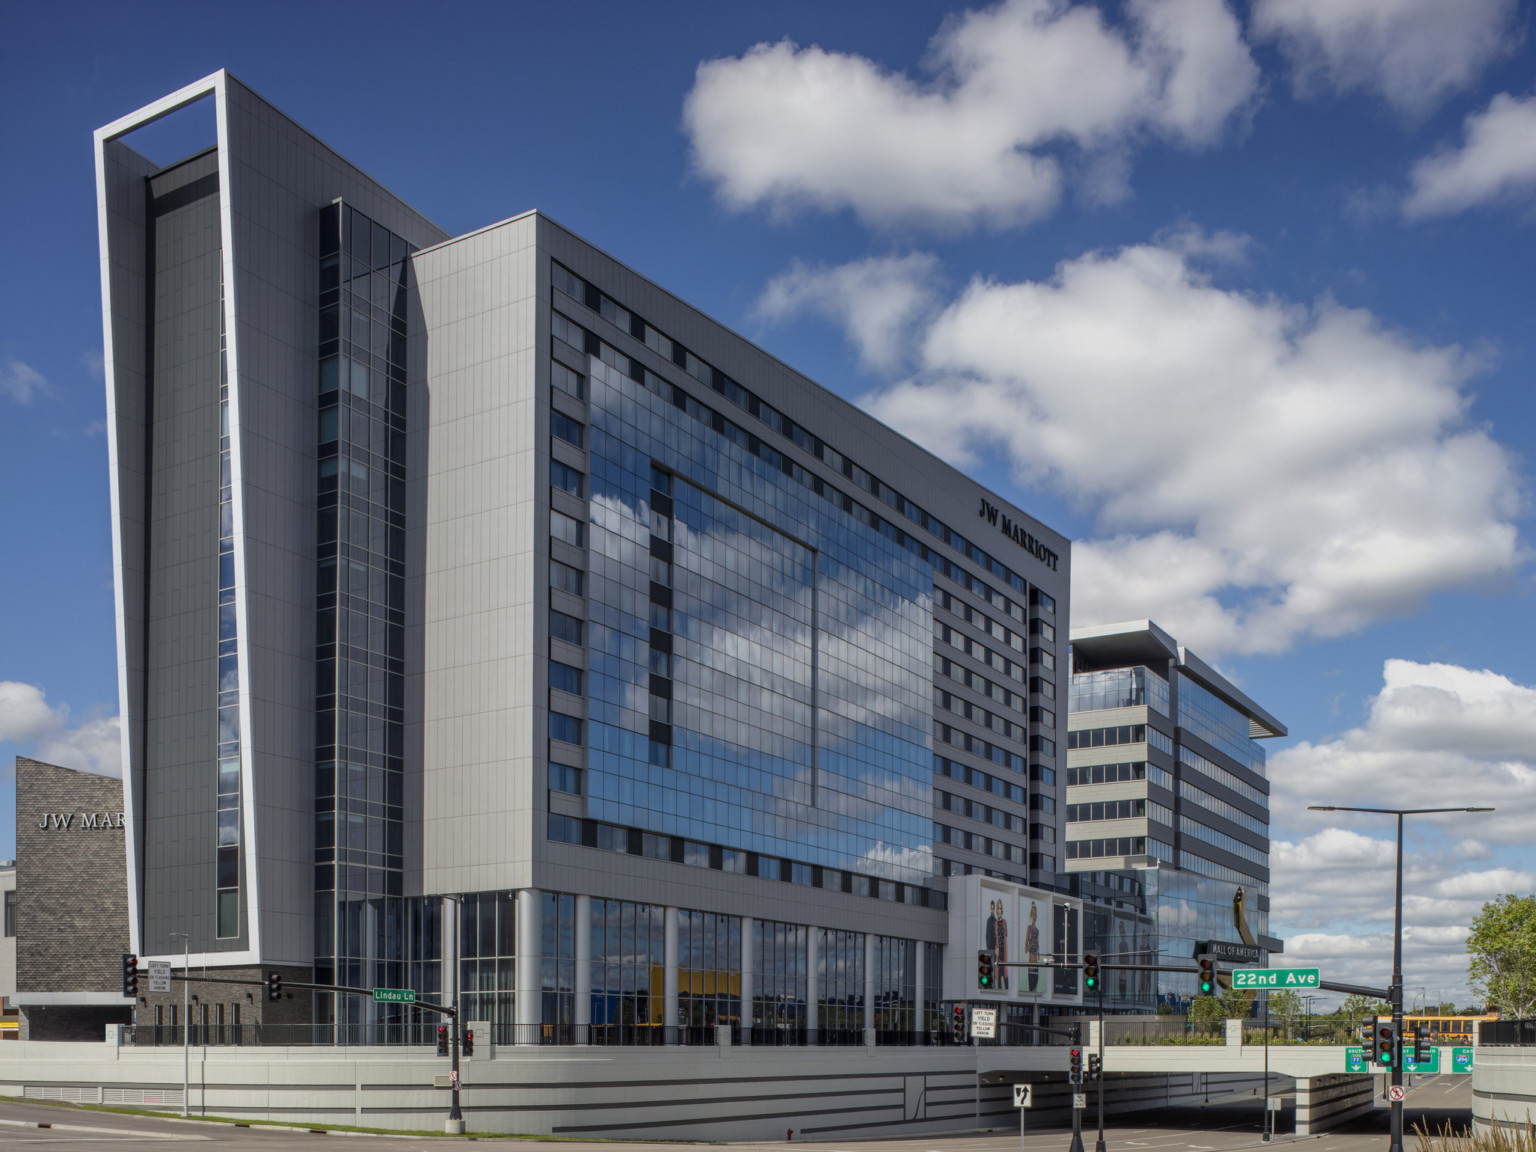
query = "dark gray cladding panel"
x=181 y=742
x=71 y=880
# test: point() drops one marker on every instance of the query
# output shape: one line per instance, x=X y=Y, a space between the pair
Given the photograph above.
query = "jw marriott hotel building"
x=477 y=580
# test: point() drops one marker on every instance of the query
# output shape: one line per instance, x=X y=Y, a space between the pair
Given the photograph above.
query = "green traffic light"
x=1091 y=981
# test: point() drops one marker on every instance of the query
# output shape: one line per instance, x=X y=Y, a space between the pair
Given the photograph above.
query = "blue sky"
x=1236 y=294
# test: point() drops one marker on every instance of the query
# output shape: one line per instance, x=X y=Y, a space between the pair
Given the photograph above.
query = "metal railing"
x=1507 y=1033
x=554 y=1035
x=279 y=1035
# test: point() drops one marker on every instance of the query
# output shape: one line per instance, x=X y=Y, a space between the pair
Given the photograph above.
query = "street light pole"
x=455 y=1123
x=186 y=1021
x=1395 y=989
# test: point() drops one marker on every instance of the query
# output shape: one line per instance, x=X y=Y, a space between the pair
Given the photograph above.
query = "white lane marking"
x=138 y=1132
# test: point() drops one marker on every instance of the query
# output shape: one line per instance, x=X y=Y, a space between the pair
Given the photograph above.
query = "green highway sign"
x=394 y=996
x=1354 y=1060
x=1432 y=1067
x=1461 y=1059
x=1275 y=978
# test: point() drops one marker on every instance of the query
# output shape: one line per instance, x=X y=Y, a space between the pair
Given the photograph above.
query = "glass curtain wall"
x=227 y=908
x=628 y=968
x=895 y=964
x=740 y=626
x=840 y=987
x=362 y=919
x=778 y=1002
x=487 y=961
x=708 y=973
x=558 y=971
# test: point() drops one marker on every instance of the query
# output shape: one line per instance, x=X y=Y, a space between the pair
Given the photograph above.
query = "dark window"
x=571 y=431
x=10 y=912
x=564 y=778
x=563 y=727
x=565 y=678
x=563 y=627
x=566 y=478
x=565 y=829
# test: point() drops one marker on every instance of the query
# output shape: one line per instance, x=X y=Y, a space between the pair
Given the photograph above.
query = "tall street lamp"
x=1395 y=989
x=186 y=1020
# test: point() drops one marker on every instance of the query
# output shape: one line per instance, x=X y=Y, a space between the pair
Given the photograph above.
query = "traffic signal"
x=957 y=1024
x=1090 y=972
x=1368 y=1034
x=1207 y=965
x=1386 y=1044
x=984 y=970
x=274 y=985
x=1095 y=1065
x=467 y=1045
x=130 y=976
x=1074 y=1066
x=442 y=1039
x=1423 y=1051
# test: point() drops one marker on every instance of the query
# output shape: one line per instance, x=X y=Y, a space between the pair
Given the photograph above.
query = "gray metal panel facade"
x=182 y=686
x=475 y=420
x=124 y=191
x=278 y=178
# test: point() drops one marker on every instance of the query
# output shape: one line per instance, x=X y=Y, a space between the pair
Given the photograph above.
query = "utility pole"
x=1395 y=989
x=186 y=1022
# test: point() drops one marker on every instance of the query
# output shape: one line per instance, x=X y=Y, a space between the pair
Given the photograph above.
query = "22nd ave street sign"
x=1275 y=978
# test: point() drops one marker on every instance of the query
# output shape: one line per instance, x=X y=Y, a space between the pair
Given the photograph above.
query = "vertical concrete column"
x=530 y=967
x=812 y=983
x=869 y=988
x=748 y=977
x=583 y=969
x=669 y=978
x=921 y=968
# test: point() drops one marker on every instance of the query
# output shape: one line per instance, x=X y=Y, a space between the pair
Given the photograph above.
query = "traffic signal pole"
x=1099 y=1147
x=1397 y=1000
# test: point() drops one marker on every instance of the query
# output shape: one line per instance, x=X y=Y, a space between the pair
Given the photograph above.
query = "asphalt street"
x=1224 y=1125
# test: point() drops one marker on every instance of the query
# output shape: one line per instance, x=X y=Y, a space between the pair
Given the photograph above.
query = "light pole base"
x=453 y=1127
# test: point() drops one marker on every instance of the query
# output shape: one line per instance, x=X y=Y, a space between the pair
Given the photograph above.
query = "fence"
x=1507 y=1033
x=556 y=1035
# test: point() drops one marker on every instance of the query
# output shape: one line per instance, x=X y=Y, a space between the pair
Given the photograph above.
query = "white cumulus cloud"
x=20 y=381
x=1496 y=161
x=1413 y=53
x=1430 y=724
x=27 y=719
x=1436 y=735
x=1259 y=470
x=1016 y=96
x=878 y=302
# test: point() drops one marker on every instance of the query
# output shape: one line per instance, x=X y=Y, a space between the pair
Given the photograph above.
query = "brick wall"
x=71 y=880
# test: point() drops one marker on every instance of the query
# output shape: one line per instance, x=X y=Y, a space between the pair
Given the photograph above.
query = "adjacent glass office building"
x=1167 y=806
x=492 y=620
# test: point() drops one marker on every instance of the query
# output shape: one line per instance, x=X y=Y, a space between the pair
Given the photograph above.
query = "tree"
x=1355 y=1009
x=1285 y=1006
x=1501 y=955
x=1207 y=1013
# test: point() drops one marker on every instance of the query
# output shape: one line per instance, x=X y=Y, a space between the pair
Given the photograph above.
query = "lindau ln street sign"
x=1275 y=978
x=394 y=996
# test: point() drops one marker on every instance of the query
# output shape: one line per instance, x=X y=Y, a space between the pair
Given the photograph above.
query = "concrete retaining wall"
x=690 y=1092
x=1503 y=1088
x=1324 y=1102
